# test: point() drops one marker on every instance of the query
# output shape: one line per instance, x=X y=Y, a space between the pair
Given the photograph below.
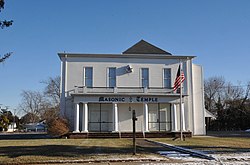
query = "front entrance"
x=159 y=117
x=100 y=117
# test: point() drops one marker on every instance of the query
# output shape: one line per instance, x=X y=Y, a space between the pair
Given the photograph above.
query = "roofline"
x=148 y=56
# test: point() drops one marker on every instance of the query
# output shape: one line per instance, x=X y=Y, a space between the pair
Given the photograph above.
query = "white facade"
x=99 y=92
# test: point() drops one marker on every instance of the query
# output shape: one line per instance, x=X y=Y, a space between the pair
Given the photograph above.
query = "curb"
x=184 y=150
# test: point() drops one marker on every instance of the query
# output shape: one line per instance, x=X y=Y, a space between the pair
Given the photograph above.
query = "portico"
x=101 y=114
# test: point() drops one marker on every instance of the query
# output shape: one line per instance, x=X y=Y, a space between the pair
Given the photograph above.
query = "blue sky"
x=217 y=32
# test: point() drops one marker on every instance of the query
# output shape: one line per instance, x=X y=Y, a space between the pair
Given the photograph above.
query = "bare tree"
x=52 y=89
x=32 y=103
x=52 y=94
x=4 y=24
x=229 y=102
x=213 y=87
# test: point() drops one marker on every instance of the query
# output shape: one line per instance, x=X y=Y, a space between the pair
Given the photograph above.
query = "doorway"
x=100 y=117
x=159 y=117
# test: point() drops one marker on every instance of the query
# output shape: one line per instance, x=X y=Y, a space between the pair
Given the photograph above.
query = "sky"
x=217 y=32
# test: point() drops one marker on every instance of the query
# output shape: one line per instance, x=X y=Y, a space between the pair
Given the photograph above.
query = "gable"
x=143 y=47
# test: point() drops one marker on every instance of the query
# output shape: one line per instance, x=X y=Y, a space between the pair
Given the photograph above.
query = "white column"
x=183 y=117
x=76 y=126
x=146 y=117
x=174 y=117
x=85 y=118
x=115 y=117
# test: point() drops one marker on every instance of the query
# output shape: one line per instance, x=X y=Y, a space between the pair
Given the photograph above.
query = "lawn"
x=49 y=150
x=212 y=144
x=33 y=151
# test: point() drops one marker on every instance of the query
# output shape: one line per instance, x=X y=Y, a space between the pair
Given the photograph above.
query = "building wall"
x=100 y=65
x=198 y=101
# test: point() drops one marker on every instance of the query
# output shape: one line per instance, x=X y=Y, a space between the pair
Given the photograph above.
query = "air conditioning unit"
x=129 y=69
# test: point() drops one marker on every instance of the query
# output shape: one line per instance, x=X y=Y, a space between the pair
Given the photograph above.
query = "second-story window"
x=112 y=77
x=88 y=77
x=167 y=78
x=145 y=77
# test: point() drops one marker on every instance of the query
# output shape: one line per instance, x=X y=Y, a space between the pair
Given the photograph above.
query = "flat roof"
x=148 y=56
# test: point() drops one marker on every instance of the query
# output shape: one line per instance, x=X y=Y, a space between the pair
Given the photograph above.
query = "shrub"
x=58 y=126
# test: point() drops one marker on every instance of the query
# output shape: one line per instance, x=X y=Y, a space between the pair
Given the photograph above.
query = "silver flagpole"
x=181 y=120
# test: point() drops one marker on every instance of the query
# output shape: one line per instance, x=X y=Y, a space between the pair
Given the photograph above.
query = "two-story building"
x=99 y=91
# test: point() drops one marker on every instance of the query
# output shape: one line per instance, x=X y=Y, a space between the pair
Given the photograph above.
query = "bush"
x=58 y=126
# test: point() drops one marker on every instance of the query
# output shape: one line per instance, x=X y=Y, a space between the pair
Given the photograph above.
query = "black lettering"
x=101 y=98
x=138 y=99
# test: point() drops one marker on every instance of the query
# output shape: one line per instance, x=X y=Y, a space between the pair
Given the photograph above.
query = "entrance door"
x=153 y=117
x=159 y=117
x=100 y=117
x=94 y=117
x=106 y=117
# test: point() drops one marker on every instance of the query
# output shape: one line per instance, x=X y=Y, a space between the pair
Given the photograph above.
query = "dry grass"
x=213 y=144
x=32 y=151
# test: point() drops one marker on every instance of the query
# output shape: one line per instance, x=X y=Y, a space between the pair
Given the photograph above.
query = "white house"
x=99 y=91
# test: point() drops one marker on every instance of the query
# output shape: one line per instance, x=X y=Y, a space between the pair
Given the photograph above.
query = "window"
x=145 y=77
x=112 y=77
x=167 y=78
x=88 y=77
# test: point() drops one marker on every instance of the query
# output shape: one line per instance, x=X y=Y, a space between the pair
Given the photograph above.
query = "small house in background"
x=12 y=127
x=35 y=127
x=99 y=92
x=208 y=118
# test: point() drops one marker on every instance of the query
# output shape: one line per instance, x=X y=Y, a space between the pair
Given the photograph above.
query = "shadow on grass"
x=143 y=147
x=59 y=150
x=218 y=149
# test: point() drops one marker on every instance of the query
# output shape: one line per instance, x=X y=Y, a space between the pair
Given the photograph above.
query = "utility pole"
x=134 y=131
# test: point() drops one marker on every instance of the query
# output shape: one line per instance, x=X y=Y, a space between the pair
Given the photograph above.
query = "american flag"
x=180 y=77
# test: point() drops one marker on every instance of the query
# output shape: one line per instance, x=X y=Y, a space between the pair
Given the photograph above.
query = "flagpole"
x=181 y=120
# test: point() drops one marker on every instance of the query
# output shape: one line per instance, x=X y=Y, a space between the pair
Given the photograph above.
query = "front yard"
x=63 y=150
x=56 y=150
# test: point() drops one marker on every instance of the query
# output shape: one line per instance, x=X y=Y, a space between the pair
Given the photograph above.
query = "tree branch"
x=7 y=55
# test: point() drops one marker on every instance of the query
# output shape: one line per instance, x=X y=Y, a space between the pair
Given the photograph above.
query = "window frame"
x=85 y=78
x=143 y=78
x=167 y=78
x=110 y=78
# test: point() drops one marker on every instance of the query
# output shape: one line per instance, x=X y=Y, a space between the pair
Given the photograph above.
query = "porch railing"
x=84 y=90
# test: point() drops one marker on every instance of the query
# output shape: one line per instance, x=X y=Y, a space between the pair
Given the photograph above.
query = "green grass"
x=212 y=144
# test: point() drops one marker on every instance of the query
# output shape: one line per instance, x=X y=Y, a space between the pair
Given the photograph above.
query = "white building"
x=98 y=91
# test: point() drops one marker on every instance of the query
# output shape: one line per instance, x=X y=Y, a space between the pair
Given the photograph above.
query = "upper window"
x=112 y=77
x=88 y=77
x=145 y=77
x=167 y=78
